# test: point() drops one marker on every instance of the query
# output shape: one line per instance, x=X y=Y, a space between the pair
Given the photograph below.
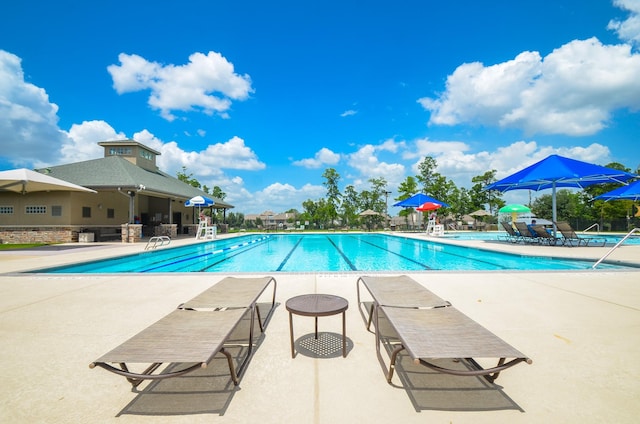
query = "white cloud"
x=322 y=157
x=629 y=29
x=424 y=147
x=278 y=197
x=365 y=160
x=29 y=132
x=572 y=91
x=232 y=154
x=83 y=141
x=349 y=112
x=208 y=83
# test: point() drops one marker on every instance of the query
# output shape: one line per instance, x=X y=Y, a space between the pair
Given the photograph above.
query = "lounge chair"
x=193 y=333
x=512 y=235
x=544 y=236
x=572 y=239
x=525 y=232
x=429 y=328
x=401 y=291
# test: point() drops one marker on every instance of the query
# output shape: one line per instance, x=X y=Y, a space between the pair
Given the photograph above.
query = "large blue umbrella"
x=200 y=201
x=627 y=192
x=558 y=171
x=417 y=200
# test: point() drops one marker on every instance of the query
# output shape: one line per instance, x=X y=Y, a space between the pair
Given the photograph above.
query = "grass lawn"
x=9 y=246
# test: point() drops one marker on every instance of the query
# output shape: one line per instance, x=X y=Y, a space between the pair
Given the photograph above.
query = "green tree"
x=187 y=178
x=332 y=178
x=427 y=174
x=480 y=197
x=350 y=205
x=406 y=189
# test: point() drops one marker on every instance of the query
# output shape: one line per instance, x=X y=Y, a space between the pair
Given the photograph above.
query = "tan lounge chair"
x=194 y=333
x=400 y=291
x=572 y=239
x=435 y=330
x=512 y=235
x=545 y=237
x=527 y=235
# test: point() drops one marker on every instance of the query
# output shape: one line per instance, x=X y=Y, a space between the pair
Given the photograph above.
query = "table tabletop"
x=317 y=305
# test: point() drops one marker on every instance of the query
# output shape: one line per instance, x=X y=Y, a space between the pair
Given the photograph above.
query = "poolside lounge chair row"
x=539 y=234
x=428 y=328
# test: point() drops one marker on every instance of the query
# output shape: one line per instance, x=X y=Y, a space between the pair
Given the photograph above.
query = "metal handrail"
x=591 y=226
x=157 y=239
x=615 y=247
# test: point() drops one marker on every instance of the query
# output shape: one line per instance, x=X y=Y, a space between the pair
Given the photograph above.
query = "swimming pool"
x=321 y=253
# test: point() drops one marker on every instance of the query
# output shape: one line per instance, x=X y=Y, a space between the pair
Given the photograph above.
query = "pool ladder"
x=156 y=241
x=615 y=247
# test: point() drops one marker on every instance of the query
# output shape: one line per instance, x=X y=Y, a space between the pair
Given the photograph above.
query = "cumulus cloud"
x=572 y=91
x=629 y=29
x=461 y=165
x=278 y=197
x=322 y=157
x=207 y=83
x=368 y=164
x=82 y=141
x=29 y=132
x=232 y=154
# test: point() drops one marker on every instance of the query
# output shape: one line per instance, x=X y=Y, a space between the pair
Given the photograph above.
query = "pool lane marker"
x=215 y=252
x=289 y=254
x=351 y=265
x=425 y=266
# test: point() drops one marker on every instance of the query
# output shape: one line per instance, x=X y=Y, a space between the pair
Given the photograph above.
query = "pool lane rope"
x=215 y=252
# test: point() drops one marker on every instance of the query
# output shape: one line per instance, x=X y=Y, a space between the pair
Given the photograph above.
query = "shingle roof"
x=114 y=172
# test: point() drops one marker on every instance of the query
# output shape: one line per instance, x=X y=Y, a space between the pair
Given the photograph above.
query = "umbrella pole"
x=553 y=208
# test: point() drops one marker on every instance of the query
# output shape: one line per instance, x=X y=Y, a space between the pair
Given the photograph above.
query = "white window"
x=6 y=210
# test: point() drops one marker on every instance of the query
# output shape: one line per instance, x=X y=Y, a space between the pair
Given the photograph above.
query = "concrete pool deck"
x=581 y=329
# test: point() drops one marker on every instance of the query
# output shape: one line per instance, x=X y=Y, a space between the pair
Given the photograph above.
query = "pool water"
x=321 y=252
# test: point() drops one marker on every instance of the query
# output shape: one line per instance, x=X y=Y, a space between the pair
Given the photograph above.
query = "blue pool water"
x=321 y=252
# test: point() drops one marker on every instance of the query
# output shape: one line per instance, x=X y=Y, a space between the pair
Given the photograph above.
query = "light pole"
x=386 y=206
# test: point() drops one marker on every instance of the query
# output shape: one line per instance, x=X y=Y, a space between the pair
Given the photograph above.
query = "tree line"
x=342 y=208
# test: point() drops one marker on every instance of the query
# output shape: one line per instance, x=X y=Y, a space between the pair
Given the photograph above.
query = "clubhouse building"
x=133 y=199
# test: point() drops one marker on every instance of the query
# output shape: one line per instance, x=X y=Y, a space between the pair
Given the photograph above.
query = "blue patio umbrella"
x=558 y=171
x=417 y=200
x=200 y=201
x=627 y=192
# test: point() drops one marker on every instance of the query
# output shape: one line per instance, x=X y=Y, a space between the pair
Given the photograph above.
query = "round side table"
x=318 y=305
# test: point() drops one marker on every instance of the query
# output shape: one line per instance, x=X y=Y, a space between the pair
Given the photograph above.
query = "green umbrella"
x=514 y=209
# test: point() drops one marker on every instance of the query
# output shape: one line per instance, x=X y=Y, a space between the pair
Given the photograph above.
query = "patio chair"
x=430 y=329
x=193 y=333
x=572 y=239
x=525 y=232
x=512 y=235
x=544 y=236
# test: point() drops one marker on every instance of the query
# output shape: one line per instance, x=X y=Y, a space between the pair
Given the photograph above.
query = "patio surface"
x=581 y=329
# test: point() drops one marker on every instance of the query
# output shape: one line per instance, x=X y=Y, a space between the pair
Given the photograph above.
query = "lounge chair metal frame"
x=429 y=328
x=194 y=333
x=571 y=238
x=545 y=237
x=512 y=235
x=525 y=232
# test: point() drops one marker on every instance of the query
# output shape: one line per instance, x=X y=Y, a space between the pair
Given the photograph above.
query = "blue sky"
x=260 y=98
